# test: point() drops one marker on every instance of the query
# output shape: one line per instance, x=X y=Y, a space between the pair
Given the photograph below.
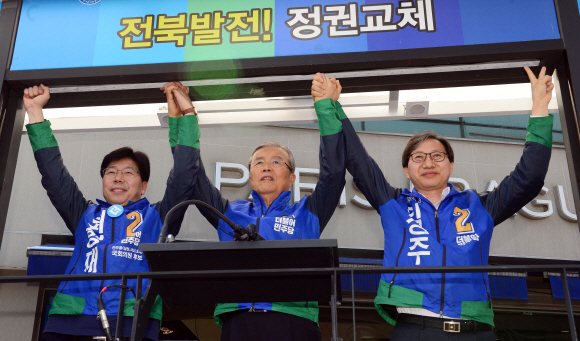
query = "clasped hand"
x=324 y=87
x=178 y=99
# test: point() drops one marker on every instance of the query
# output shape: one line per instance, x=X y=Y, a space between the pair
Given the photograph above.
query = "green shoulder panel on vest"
x=222 y=308
x=189 y=132
x=40 y=135
x=64 y=304
x=479 y=311
x=339 y=111
x=327 y=117
x=307 y=310
x=173 y=123
x=156 y=312
x=400 y=297
x=540 y=130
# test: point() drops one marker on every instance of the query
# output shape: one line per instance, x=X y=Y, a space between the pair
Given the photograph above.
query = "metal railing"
x=562 y=268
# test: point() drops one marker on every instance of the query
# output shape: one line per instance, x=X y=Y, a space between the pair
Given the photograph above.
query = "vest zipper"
x=263 y=215
x=105 y=251
x=262 y=204
x=262 y=207
x=74 y=266
x=444 y=261
x=397 y=262
x=482 y=277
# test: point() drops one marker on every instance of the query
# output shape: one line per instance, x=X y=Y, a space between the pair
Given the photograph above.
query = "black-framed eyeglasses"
x=112 y=172
x=421 y=157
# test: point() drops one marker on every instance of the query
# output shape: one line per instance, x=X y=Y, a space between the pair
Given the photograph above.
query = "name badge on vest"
x=115 y=211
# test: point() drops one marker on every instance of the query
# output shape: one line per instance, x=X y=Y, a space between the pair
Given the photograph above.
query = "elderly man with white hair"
x=276 y=218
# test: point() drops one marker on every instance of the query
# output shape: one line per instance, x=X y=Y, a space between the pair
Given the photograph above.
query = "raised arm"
x=367 y=175
x=61 y=188
x=182 y=175
x=332 y=158
x=527 y=179
x=189 y=134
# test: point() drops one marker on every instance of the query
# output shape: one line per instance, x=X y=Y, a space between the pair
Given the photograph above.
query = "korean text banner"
x=85 y=33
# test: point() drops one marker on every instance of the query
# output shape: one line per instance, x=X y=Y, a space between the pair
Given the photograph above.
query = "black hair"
x=140 y=158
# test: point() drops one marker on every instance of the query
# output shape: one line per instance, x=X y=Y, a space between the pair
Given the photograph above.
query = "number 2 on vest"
x=460 y=223
x=137 y=221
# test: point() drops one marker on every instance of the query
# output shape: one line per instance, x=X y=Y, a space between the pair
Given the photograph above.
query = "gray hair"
x=291 y=161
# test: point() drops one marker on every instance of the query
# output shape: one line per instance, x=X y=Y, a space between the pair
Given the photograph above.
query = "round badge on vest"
x=115 y=211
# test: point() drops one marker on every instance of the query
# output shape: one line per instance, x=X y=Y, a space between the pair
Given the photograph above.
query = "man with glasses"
x=436 y=225
x=108 y=233
x=271 y=168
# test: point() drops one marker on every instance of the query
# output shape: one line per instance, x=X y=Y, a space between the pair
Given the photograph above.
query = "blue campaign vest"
x=458 y=233
x=99 y=239
x=280 y=221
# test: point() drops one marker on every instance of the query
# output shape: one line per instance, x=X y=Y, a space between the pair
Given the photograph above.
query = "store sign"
x=542 y=207
x=83 y=33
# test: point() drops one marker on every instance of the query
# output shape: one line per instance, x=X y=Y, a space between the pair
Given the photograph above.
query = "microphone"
x=247 y=234
x=102 y=315
x=240 y=233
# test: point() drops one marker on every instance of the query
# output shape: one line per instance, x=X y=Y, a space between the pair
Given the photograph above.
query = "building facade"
x=545 y=231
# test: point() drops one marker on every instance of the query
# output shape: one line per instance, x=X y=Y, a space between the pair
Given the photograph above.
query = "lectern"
x=204 y=272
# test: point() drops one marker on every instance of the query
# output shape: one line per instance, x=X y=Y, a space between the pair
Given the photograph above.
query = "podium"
x=259 y=279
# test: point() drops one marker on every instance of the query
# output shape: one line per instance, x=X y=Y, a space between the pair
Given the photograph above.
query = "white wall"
x=31 y=214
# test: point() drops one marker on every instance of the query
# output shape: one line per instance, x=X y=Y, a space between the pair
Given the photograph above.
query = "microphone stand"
x=240 y=233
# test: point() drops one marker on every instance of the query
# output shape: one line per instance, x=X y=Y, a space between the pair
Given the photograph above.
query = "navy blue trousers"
x=245 y=326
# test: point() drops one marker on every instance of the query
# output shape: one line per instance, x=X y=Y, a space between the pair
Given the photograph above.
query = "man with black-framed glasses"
x=108 y=233
x=436 y=225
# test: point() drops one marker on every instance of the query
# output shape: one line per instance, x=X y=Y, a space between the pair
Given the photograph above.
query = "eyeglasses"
x=275 y=163
x=421 y=157
x=111 y=172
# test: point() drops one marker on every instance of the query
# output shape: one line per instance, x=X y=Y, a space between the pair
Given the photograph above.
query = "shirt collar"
x=282 y=201
x=444 y=194
x=131 y=205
